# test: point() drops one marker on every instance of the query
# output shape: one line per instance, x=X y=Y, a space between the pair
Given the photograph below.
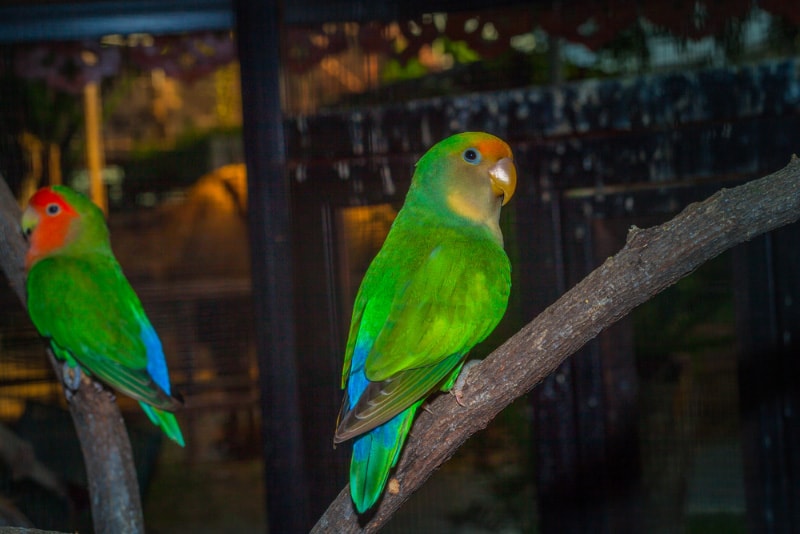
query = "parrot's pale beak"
x=30 y=219
x=504 y=179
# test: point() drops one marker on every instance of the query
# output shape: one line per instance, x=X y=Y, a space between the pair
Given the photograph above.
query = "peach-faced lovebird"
x=438 y=286
x=81 y=302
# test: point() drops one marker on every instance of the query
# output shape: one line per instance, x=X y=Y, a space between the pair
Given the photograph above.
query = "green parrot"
x=438 y=286
x=81 y=302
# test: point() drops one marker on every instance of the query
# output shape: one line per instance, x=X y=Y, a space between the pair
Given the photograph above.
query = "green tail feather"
x=166 y=421
x=374 y=455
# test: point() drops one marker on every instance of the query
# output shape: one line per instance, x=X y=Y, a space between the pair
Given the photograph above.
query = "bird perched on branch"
x=438 y=286
x=82 y=304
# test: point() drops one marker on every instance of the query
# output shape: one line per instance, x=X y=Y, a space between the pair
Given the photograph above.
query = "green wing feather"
x=446 y=307
x=424 y=308
x=383 y=400
x=67 y=295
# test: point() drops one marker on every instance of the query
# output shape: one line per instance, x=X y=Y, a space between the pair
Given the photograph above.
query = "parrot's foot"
x=71 y=377
x=99 y=387
x=458 y=387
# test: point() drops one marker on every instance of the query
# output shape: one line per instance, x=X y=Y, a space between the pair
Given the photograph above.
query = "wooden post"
x=54 y=164
x=95 y=160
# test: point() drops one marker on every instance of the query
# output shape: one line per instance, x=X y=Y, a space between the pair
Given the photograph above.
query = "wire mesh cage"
x=617 y=116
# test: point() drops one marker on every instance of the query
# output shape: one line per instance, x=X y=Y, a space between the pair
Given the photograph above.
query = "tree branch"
x=651 y=260
x=113 y=487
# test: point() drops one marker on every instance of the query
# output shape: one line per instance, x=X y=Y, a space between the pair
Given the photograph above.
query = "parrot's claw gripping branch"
x=461 y=381
x=71 y=377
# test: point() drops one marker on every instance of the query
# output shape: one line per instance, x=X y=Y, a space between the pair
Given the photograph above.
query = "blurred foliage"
x=186 y=141
x=53 y=116
x=154 y=168
x=638 y=49
x=32 y=107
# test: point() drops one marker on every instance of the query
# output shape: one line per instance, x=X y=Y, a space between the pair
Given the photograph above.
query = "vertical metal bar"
x=766 y=292
x=589 y=374
x=258 y=29
x=787 y=292
x=762 y=422
x=555 y=424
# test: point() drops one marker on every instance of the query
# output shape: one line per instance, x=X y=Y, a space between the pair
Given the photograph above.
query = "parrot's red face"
x=46 y=223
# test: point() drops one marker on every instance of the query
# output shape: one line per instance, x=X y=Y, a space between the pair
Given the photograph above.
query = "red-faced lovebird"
x=82 y=304
x=438 y=286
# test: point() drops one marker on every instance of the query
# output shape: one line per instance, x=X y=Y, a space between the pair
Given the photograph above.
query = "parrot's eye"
x=471 y=156
x=53 y=209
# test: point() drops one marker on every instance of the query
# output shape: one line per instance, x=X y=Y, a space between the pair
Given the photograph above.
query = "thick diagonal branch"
x=113 y=487
x=652 y=260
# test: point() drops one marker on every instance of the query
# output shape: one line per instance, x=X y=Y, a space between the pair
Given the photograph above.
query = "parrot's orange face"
x=46 y=223
x=499 y=166
x=476 y=174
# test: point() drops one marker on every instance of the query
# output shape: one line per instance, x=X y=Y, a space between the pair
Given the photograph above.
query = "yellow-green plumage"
x=438 y=286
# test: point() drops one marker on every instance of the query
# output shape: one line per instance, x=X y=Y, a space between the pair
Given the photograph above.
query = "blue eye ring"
x=472 y=156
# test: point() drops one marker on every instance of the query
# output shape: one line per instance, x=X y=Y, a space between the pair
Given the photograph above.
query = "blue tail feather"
x=374 y=455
